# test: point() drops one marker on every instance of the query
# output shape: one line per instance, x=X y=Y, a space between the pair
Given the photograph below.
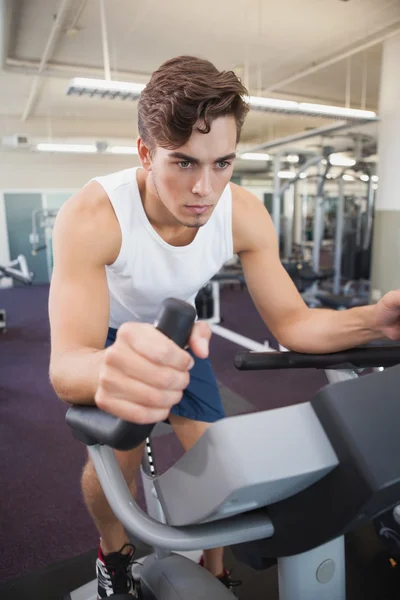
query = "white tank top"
x=148 y=270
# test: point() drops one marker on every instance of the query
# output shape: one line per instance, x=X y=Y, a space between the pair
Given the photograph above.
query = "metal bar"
x=288 y=199
x=348 y=82
x=319 y=217
x=276 y=200
x=62 y=70
x=314 y=160
x=191 y=537
x=326 y=129
x=364 y=83
x=78 y=14
x=379 y=37
x=298 y=217
x=240 y=340
x=370 y=215
x=317 y=233
x=48 y=51
x=339 y=239
x=358 y=226
x=5 y=24
x=106 y=52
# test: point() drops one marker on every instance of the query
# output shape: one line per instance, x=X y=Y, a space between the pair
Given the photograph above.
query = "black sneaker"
x=114 y=573
x=227 y=580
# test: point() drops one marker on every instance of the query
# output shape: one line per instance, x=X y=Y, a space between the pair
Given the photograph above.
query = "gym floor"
x=48 y=540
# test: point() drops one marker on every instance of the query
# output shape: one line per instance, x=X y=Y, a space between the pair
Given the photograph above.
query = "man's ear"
x=144 y=154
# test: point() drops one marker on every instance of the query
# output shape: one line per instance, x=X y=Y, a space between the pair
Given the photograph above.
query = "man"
x=129 y=240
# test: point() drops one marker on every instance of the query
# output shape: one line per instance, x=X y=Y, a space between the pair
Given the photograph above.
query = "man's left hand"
x=387 y=315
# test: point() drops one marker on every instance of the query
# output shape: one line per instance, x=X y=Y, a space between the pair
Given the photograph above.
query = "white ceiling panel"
x=265 y=41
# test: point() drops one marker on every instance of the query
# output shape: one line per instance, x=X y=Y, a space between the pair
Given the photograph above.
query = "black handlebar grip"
x=354 y=358
x=175 y=320
x=93 y=426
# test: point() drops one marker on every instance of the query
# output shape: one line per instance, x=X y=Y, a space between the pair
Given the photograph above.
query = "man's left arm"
x=282 y=308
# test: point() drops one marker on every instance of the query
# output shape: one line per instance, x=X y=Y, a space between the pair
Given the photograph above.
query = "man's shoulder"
x=250 y=219
x=242 y=197
x=245 y=205
x=113 y=181
x=88 y=215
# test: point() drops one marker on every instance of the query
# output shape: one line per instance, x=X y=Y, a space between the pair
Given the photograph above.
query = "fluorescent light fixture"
x=306 y=108
x=255 y=156
x=375 y=178
x=122 y=150
x=124 y=90
x=102 y=88
x=79 y=148
x=272 y=104
x=292 y=158
x=348 y=177
x=286 y=174
x=335 y=111
x=338 y=160
x=364 y=177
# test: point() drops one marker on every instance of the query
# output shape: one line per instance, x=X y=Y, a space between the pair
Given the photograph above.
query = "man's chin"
x=195 y=223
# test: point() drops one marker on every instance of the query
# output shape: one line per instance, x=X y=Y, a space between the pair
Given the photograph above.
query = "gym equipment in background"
x=208 y=307
x=17 y=270
x=42 y=234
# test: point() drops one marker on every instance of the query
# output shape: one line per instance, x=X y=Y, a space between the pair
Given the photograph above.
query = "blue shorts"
x=201 y=400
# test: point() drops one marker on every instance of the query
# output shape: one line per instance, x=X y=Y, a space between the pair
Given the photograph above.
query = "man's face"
x=189 y=180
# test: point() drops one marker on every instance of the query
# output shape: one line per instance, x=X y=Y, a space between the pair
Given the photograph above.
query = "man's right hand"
x=143 y=375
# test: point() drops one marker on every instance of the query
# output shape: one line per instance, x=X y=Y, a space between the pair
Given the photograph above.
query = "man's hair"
x=183 y=91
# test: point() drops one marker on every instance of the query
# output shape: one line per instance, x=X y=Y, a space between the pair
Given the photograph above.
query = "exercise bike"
x=287 y=483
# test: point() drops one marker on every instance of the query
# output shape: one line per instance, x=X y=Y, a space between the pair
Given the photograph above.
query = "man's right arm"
x=86 y=237
x=144 y=373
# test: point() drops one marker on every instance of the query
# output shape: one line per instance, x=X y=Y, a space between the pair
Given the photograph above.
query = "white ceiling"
x=264 y=41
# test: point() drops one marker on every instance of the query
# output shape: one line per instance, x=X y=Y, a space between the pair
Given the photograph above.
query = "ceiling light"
x=292 y=158
x=272 y=104
x=124 y=90
x=336 y=111
x=122 y=150
x=348 y=177
x=305 y=108
x=375 y=178
x=374 y=186
x=338 y=160
x=255 y=156
x=103 y=88
x=286 y=174
x=364 y=177
x=82 y=148
x=303 y=176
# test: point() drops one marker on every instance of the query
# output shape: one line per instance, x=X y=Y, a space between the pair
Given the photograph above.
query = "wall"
x=34 y=171
x=49 y=173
